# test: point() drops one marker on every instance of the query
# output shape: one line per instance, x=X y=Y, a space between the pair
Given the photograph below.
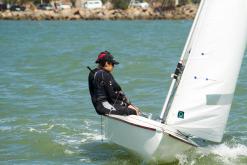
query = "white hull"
x=148 y=138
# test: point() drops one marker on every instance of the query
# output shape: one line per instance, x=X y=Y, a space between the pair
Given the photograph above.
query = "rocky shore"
x=182 y=12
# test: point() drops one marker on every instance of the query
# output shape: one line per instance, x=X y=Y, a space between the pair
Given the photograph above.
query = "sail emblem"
x=181 y=114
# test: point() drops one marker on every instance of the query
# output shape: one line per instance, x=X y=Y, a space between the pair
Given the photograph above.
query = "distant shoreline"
x=182 y=12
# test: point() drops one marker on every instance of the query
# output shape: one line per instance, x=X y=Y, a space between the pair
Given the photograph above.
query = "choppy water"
x=46 y=116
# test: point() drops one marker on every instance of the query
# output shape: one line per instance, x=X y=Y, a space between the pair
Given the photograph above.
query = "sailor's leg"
x=106 y=108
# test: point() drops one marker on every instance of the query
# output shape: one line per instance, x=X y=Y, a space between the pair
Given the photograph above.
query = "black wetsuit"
x=107 y=96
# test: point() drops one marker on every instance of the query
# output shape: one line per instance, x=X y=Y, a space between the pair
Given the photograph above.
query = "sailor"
x=106 y=94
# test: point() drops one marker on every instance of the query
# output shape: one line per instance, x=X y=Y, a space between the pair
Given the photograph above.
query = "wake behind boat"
x=201 y=93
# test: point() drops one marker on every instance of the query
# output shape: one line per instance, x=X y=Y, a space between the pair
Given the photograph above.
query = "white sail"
x=203 y=98
x=183 y=59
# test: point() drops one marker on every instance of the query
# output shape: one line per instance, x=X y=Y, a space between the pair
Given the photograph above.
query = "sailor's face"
x=109 y=66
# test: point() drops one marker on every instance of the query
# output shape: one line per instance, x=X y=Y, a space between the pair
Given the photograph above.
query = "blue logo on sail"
x=181 y=114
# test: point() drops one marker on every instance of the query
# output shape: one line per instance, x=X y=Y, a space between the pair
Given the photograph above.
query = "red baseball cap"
x=106 y=56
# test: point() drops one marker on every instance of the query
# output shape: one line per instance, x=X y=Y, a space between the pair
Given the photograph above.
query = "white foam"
x=88 y=124
x=233 y=152
x=5 y=128
x=73 y=141
x=49 y=128
x=68 y=152
x=92 y=136
x=83 y=140
x=84 y=134
x=8 y=120
x=182 y=158
x=226 y=153
x=34 y=130
x=41 y=130
x=68 y=140
x=78 y=139
x=85 y=160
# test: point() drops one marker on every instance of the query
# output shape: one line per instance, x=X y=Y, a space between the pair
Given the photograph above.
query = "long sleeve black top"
x=103 y=87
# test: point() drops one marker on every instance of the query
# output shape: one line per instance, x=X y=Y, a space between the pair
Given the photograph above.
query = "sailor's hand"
x=138 y=112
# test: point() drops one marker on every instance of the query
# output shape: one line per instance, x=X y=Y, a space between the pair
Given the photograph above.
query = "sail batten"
x=202 y=101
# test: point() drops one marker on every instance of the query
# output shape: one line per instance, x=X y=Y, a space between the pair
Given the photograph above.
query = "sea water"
x=46 y=115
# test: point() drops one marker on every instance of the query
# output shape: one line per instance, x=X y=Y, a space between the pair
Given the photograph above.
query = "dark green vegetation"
x=120 y=4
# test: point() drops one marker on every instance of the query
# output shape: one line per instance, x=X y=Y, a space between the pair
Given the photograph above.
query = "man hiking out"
x=107 y=96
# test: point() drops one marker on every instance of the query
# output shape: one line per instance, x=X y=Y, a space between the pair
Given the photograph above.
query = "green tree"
x=120 y=4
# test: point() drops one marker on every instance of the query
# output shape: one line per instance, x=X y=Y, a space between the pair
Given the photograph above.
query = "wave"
x=215 y=154
x=41 y=130
x=228 y=154
x=5 y=128
x=68 y=152
x=8 y=120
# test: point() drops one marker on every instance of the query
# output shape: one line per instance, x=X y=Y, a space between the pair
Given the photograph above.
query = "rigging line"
x=101 y=128
x=170 y=101
x=172 y=94
x=178 y=133
x=116 y=99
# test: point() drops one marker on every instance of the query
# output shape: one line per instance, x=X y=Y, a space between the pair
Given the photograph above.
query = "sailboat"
x=202 y=88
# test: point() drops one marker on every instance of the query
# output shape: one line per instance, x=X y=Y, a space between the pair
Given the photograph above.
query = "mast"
x=180 y=66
